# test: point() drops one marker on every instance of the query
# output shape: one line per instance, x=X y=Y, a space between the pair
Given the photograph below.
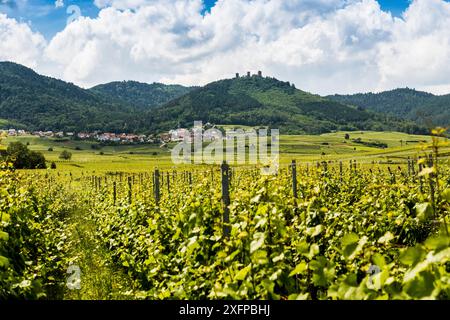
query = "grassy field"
x=92 y=156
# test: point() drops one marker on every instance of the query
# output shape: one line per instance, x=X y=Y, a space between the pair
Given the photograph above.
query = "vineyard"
x=316 y=230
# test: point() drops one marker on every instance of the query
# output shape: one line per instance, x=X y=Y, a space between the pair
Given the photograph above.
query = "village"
x=175 y=135
x=103 y=137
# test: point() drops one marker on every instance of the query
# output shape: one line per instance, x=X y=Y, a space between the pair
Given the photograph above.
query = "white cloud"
x=418 y=51
x=122 y=4
x=19 y=43
x=173 y=42
x=324 y=46
x=59 y=3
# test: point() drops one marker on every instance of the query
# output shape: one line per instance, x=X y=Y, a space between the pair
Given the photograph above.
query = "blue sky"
x=394 y=6
x=48 y=20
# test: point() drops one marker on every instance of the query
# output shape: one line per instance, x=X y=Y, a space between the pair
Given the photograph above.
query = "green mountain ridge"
x=258 y=101
x=38 y=102
x=43 y=103
x=409 y=104
x=141 y=95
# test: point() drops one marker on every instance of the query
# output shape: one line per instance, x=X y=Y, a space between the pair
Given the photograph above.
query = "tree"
x=65 y=155
x=53 y=165
x=37 y=160
x=347 y=136
x=18 y=155
x=22 y=158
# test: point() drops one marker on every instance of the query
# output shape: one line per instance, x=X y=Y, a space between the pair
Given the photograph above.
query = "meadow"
x=92 y=156
x=347 y=220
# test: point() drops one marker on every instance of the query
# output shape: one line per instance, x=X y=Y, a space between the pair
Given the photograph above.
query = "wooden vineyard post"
x=130 y=187
x=325 y=166
x=409 y=166
x=431 y=183
x=225 y=170
x=168 y=183
x=340 y=170
x=156 y=186
x=294 y=178
x=115 y=192
x=430 y=160
x=420 y=177
x=392 y=175
x=190 y=179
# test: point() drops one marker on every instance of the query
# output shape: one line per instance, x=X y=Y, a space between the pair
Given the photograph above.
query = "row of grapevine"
x=317 y=236
x=325 y=230
x=33 y=238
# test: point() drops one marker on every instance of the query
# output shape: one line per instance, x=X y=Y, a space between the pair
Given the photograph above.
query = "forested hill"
x=262 y=101
x=43 y=103
x=141 y=95
x=36 y=102
x=421 y=107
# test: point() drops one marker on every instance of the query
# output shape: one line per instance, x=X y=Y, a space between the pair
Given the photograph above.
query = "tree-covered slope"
x=421 y=107
x=44 y=103
x=141 y=95
x=257 y=101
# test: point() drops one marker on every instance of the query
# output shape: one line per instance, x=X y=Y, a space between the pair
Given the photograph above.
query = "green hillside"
x=36 y=102
x=141 y=95
x=257 y=101
x=421 y=107
x=44 y=103
x=7 y=124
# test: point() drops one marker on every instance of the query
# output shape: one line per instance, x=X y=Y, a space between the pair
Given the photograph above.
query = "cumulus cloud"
x=418 y=50
x=324 y=46
x=122 y=4
x=19 y=43
x=173 y=42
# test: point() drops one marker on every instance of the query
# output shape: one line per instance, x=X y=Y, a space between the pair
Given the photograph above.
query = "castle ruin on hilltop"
x=259 y=74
